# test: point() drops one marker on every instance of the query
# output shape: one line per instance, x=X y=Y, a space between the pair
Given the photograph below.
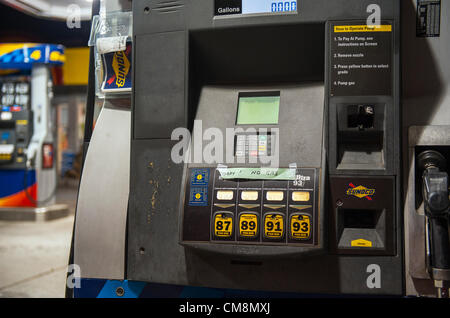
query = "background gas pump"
x=27 y=169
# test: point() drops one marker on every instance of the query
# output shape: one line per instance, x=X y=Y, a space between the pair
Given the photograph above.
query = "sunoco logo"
x=360 y=191
x=121 y=66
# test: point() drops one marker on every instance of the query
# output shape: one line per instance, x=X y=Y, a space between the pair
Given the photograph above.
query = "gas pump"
x=273 y=150
x=302 y=194
x=27 y=170
x=320 y=91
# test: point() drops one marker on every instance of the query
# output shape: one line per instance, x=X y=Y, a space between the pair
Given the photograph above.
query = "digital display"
x=227 y=7
x=258 y=110
x=268 y=6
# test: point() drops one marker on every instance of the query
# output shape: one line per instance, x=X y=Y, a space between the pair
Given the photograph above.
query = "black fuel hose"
x=439 y=243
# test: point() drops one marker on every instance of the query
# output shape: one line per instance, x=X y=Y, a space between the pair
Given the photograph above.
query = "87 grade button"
x=223 y=225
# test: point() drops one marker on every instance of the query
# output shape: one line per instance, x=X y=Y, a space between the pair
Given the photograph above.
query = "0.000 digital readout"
x=284 y=6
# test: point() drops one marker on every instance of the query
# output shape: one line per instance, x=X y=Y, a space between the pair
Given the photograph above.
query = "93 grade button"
x=273 y=226
x=223 y=224
x=300 y=227
x=248 y=225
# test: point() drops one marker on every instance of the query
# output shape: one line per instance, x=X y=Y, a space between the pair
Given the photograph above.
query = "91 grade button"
x=300 y=228
x=223 y=224
x=273 y=226
x=248 y=225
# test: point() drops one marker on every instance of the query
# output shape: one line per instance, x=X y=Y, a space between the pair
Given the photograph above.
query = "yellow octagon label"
x=248 y=225
x=273 y=226
x=223 y=225
x=300 y=227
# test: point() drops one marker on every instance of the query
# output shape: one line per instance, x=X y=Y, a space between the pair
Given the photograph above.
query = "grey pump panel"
x=334 y=91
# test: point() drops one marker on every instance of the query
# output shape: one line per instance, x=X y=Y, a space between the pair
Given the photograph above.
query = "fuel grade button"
x=223 y=225
x=248 y=225
x=300 y=226
x=274 y=226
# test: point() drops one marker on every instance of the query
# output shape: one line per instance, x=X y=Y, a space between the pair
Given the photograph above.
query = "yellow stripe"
x=76 y=67
x=6 y=72
x=362 y=28
x=10 y=47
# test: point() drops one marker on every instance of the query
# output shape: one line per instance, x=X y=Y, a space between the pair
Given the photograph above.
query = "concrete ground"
x=34 y=255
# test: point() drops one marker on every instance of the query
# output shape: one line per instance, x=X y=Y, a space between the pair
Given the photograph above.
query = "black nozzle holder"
x=436 y=202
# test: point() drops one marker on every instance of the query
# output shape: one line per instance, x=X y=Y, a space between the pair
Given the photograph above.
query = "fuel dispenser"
x=267 y=143
x=302 y=84
x=27 y=170
x=318 y=89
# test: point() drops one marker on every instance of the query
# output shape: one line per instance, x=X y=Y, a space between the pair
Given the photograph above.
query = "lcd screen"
x=268 y=6
x=228 y=7
x=258 y=110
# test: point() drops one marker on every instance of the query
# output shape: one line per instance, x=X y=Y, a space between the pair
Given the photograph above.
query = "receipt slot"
x=302 y=195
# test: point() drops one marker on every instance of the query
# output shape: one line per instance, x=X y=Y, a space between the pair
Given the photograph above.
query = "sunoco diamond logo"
x=121 y=67
x=360 y=191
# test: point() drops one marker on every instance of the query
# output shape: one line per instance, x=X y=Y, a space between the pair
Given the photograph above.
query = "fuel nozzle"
x=436 y=204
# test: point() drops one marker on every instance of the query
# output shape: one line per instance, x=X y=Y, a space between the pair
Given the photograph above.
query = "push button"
x=274 y=226
x=300 y=226
x=223 y=225
x=248 y=225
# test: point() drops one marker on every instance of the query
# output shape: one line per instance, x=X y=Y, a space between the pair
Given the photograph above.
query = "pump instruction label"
x=360 y=59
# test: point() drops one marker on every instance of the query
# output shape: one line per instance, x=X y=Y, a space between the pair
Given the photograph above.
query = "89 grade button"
x=274 y=226
x=248 y=225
